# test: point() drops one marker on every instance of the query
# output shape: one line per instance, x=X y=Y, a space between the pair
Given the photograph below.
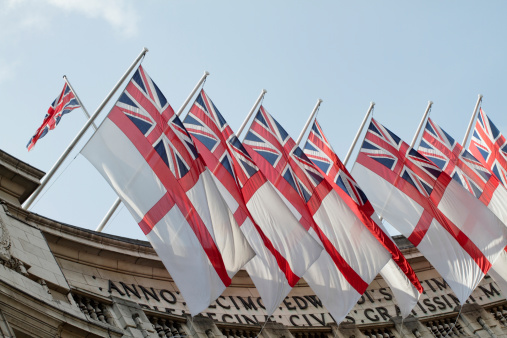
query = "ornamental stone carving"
x=5 y=243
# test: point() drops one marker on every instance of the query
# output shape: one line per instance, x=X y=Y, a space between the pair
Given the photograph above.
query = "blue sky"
x=398 y=54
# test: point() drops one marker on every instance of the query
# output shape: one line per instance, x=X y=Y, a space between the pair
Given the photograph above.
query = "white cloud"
x=118 y=13
x=22 y=15
x=18 y=15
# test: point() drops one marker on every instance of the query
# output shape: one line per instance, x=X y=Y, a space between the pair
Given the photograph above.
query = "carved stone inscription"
x=304 y=308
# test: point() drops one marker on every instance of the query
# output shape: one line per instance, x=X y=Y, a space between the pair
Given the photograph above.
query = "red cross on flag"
x=284 y=250
x=144 y=152
x=458 y=235
x=398 y=273
x=353 y=257
x=464 y=168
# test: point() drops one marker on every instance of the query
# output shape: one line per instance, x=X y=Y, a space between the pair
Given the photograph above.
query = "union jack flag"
x=63 y=104
x=428 y=207
x=489 y=146
x=461 y=165
x=320 y=151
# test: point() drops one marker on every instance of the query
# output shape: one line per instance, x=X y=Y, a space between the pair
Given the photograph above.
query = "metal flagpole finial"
x=479 y=99
x=263 y=93
x=143 y=54
x=205 y=76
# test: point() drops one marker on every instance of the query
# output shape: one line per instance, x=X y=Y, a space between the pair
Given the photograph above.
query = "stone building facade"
x=57 y=280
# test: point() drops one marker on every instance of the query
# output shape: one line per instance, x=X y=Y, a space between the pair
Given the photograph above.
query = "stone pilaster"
x=202 y=327
x=275 y=330
x=132 y=319
x=411 y=326
x=345 y=330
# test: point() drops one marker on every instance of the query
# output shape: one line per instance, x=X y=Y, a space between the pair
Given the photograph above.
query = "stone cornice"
x=18 y=179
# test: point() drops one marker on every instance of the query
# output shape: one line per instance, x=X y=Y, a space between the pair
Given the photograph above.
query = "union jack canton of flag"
x=489 y=146
x=63 y=104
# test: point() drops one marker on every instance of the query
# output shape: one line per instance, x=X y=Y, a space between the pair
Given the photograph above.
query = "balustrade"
x=94 y=309
x=500 y=314
x=384 y=332
x=445 y=327
x=167 y=328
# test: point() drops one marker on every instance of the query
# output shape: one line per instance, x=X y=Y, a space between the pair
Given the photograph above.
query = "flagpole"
x=243 y=125
x=472 y=120
x=310 y=118
x=426 y=113
x=79 y=101
x=55 y=167
x=353 y=145
x=116 y=203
